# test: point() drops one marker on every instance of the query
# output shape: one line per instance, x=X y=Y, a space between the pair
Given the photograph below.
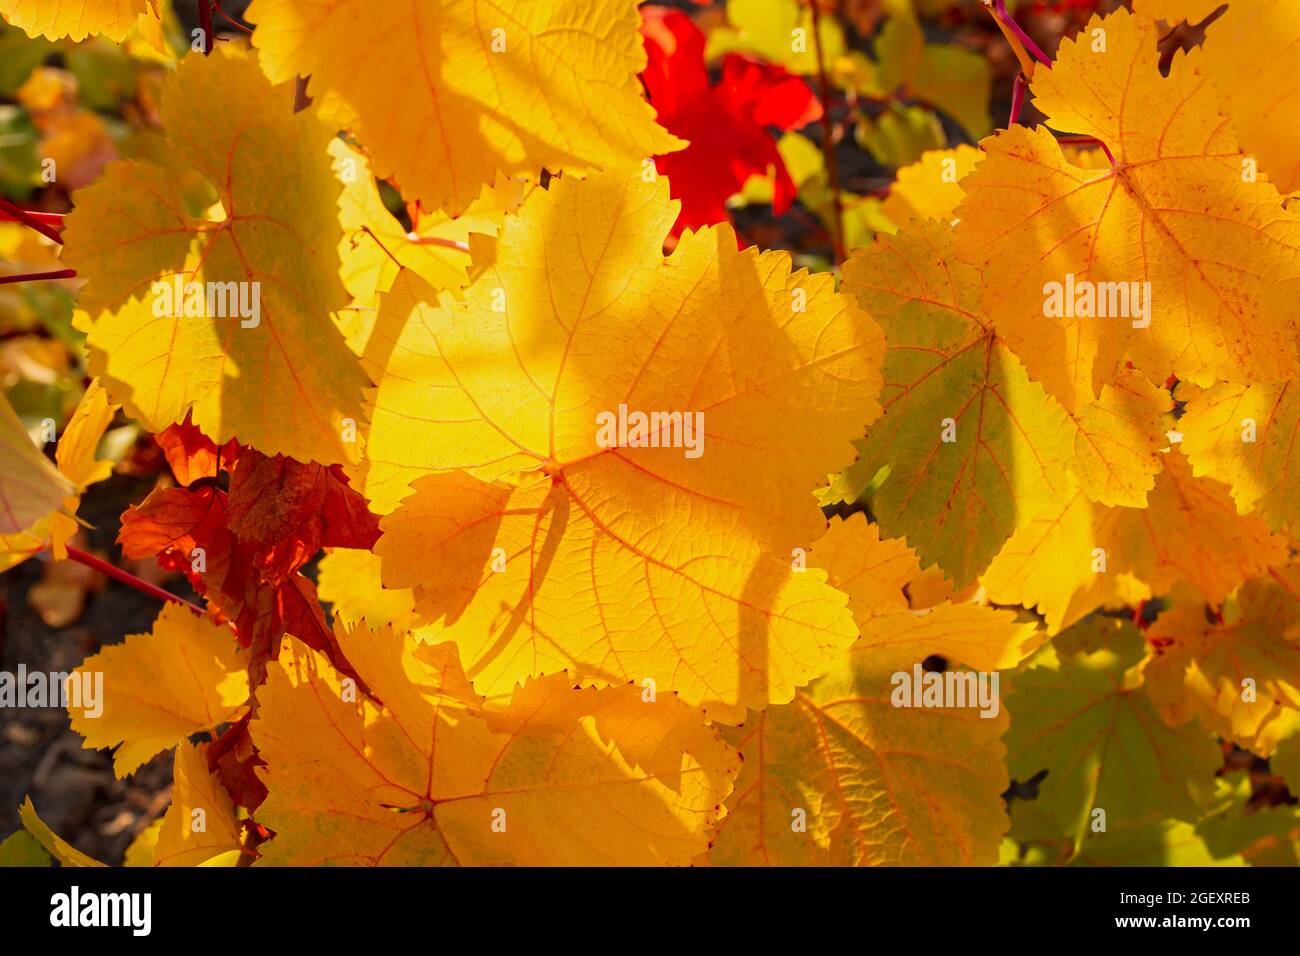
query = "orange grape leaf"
x=200 y=827
x=156 y=689
x=78 y=19
x=974 y=448
x=260 y=269
x=497 y=88
x=193 y=455
x=1241 y=675
x=435 y=775
x=570 y=543
x=1119 y=438
x=1194 y=267
x=1245 y=436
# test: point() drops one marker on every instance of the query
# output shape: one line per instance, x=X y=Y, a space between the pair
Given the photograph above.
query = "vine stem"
x=1087 y=141
x=1022 y=45
x=205 y=24
x=1017 y=99
x=127 y=578
x=52 y=219
x=36 y=276
x=225 y=16
x=828 y=146
x=1008 y=21
x=439 y=241
x=32 y=220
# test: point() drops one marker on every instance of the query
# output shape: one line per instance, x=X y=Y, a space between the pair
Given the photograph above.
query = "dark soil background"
x=74 y=789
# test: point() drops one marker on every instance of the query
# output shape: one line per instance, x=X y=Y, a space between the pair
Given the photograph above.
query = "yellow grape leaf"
x=929 y=188
x=76 y=459
x=435 y=776
x=30 y=486
x=950 y=78
x=1119 y=438
x=238 y=364
x=156 y=689
x=1051 y=564
x=1250 y=54
x=200 y=827
x=841 y=776
x=779 y=31
x=975 y=449
x=839 y=762
x=349 y=582
x=1076 y=555
x=804 y=161
x=1245 y=436
x=569 y=543
x=1201 y=668
x=980 y=637
x=504 y=88
x=1194 y=269
x=1189 y=531
x=55 y=845
x=374 y=242
x=1085 y=719
x=78 y=19
x=140 y=852
x=871 y=571
x=77 y=469
x=75 y=453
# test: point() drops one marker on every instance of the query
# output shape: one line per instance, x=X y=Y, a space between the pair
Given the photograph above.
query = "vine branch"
x=32 y=220
x=129 y=579
x=828 y=144
x=37 y=276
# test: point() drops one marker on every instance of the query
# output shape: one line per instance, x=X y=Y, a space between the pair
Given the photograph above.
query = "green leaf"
x=23 y=849
x=1085 y=719
x=974 y=448
x=900 y=135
